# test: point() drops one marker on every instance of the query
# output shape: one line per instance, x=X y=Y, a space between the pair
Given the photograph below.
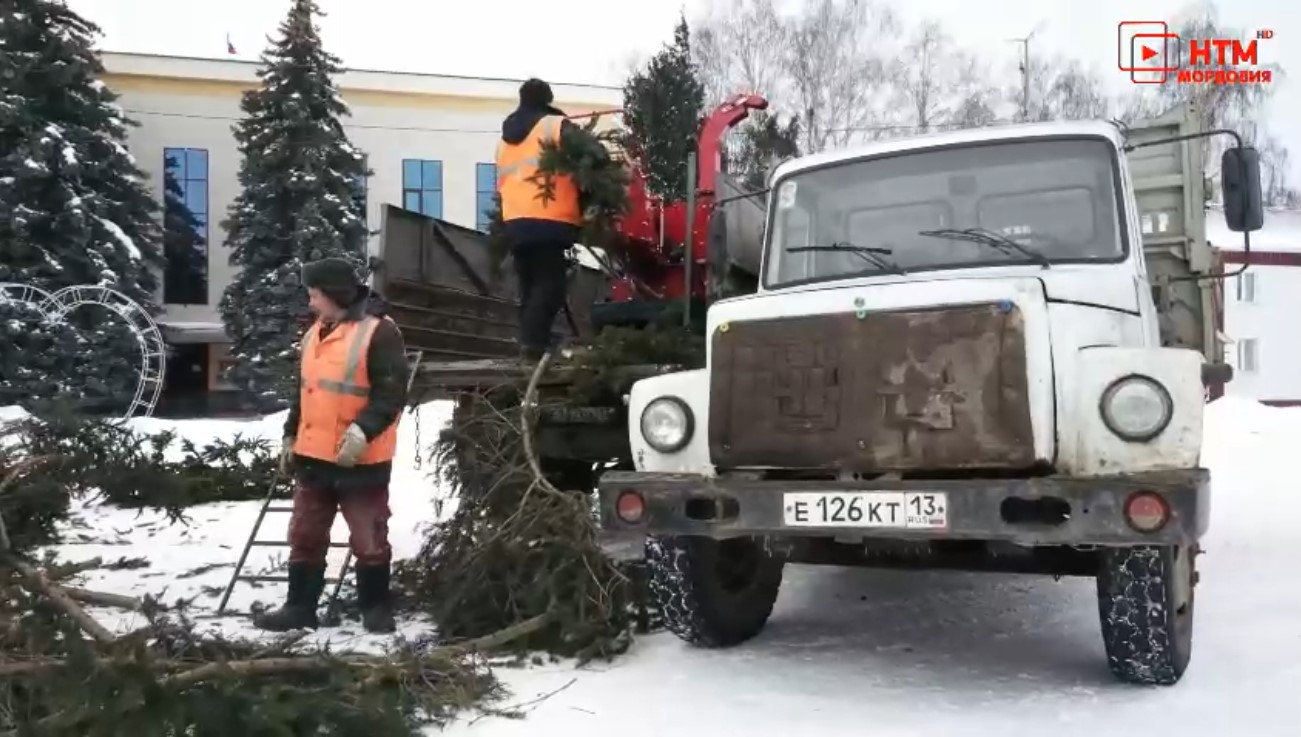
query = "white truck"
x=980 y=350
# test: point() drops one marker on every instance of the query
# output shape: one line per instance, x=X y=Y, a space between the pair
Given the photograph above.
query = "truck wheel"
x=713 y=593
x=1145 y=602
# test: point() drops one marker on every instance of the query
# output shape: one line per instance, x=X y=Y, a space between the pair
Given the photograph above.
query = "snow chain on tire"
x=1145 y=604
x=691 y=596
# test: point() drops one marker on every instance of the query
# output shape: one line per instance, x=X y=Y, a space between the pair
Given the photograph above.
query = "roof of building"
x=1282 y=231
x=245 y=72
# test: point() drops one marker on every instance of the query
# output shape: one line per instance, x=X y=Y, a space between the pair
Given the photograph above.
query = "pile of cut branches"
x=64 y=673
x=602 y=178
x=522 y=540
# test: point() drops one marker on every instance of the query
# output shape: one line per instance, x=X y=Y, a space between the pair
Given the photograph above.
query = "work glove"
x=350 y=447
x=286 y=455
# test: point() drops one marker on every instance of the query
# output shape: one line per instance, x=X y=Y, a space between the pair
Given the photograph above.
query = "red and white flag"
x=230 y=47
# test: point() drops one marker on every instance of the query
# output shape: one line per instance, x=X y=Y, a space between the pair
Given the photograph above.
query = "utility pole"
x=1025 y=71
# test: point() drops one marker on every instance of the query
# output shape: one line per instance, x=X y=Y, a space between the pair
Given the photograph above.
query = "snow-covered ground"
x=853 y=652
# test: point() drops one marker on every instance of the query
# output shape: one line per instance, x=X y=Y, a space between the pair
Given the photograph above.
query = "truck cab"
x=982 y=350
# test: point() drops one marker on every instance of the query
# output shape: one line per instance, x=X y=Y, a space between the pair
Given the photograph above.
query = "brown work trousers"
x=365 y=510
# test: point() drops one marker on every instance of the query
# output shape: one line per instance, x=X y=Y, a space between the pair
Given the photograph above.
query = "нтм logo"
x=1152 y=54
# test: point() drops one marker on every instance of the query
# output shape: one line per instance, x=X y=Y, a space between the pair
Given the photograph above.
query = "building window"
x=185 y=226
x=1248 y=355
x=422 y=187
x=485 y=187
x=1246 y=288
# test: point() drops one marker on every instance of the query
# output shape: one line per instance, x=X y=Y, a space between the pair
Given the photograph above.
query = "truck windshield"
x=1055 y=200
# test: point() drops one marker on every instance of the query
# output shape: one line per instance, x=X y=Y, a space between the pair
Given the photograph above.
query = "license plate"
x=904 y=510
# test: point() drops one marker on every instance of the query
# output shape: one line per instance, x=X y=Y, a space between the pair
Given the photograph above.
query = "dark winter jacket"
x=386 y=363
x=514 y=129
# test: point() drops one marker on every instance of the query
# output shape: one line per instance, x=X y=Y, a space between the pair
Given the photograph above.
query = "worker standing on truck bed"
x=540 y=233
x=339 y=442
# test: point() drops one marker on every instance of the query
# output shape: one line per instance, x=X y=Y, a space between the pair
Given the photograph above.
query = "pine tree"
x=299 y=174
x=74 y=210
x=765 y=143
x=663 y=108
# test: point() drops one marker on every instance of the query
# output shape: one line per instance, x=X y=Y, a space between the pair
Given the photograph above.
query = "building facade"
x=429 y=140
x=1261 y=306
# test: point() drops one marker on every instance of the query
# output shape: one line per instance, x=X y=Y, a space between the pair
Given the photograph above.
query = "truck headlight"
x=1136 y=408
x=667 y=424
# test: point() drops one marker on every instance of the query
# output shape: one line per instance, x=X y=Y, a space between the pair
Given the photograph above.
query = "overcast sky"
x=591 y=40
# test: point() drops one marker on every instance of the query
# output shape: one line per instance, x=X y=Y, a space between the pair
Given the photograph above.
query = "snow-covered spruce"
x=713 y=593
x=1145 y=602
x=74 y=209
x=301 y=201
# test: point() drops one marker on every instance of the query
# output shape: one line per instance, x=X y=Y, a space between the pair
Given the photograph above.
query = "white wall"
x=459 y=132
x=1273 y=319
x=1272 y=322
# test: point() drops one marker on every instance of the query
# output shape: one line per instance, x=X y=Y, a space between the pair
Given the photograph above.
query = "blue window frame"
x=422 y=186
x=185 y=225
x=485 y=187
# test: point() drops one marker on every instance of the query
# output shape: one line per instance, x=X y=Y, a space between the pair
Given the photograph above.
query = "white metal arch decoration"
x=153 y=351
x=34 y=296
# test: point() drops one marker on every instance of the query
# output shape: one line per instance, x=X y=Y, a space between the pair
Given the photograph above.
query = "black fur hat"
x=535 y=93
x=335 y=278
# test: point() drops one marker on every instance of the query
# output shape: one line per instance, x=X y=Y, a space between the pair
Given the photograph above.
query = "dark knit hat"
x=335 y=278
x=535 y=93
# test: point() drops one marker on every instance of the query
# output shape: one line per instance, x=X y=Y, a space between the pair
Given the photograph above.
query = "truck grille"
x=930 y=389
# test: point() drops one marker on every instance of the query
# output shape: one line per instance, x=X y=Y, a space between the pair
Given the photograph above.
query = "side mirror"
x=1244 y=207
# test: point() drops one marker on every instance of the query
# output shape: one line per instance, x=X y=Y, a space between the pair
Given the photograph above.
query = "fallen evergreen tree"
x=522 y=540
x=109 y=461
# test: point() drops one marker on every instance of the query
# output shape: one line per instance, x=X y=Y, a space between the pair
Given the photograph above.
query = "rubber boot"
x=374 y=600
x=306 y=581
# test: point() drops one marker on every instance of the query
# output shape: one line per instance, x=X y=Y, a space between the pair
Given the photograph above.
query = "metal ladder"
x=269 y=506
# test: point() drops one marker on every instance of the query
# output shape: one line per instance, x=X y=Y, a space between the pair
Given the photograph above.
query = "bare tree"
x=738 y=48
x=838 y=68
x=928 y=81
x=1142 y=102
x=1274 y=179
x=1221 y=105
x=1064 y=89
x=825 y=62
x=977 y=100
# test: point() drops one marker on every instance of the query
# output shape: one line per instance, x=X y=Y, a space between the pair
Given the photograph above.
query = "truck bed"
x=436 y=277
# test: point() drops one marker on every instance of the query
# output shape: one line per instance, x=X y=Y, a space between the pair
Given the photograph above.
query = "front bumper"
x=1085 y=511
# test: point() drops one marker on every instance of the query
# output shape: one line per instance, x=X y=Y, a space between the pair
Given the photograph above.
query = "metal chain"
x=420 y=456
x=415 y=408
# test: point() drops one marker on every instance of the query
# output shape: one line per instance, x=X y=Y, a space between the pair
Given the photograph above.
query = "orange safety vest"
x=335 y=387
x=519 y=196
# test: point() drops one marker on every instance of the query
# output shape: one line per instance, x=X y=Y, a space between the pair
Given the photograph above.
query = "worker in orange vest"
x=540 y=233
x=340 y=439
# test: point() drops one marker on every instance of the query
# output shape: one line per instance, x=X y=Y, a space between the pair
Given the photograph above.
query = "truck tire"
x=713 y=593
x=1145 y=603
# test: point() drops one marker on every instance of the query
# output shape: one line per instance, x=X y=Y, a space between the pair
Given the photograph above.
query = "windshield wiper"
x=866 y=253
x=989 y=238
